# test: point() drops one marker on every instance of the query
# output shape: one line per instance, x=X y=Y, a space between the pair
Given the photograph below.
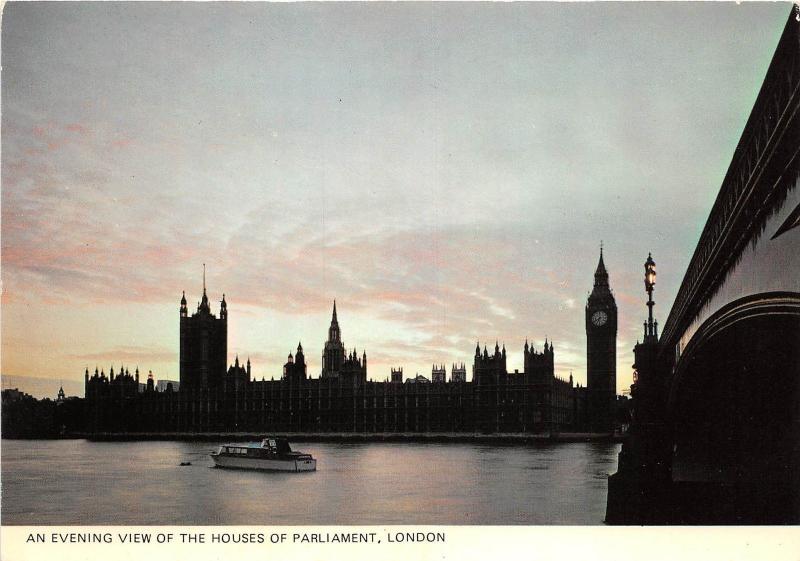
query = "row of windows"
x=236 y=450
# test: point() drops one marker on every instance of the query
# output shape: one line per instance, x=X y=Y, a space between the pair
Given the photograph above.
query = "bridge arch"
x=733 y=408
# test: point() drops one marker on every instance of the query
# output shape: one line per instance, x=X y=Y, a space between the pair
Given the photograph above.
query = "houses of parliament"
x=213 y=396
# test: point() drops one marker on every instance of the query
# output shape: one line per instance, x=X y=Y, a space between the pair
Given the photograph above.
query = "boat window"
x=235 y=450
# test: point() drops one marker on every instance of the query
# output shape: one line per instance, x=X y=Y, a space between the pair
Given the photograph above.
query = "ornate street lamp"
x=649 y=273
x=651 y=327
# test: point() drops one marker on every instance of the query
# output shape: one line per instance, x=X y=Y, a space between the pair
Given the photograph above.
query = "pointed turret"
x=334 y=334
x=600 y=274
x=184 y=310
x=601 y=297
x=334 y=353
x=223 y=308
x=601 y=291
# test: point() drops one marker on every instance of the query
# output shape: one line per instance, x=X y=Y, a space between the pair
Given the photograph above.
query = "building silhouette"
x=601 y=352
x=213 y=397
x=203 y=343
x=458 y=373
x=438 y=374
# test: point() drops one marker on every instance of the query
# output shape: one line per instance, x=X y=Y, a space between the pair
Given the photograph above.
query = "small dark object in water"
x=186 y=463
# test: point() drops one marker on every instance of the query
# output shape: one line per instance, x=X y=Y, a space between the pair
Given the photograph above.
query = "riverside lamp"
x=649 y=274
x=649 y=283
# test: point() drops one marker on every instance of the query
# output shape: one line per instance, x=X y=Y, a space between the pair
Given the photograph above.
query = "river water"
x=76 y=482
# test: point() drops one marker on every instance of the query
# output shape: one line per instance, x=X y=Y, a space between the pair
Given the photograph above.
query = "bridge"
x=716 y=431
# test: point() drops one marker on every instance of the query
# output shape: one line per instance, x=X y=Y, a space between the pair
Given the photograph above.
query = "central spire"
x=333 y=332
x=204 y=302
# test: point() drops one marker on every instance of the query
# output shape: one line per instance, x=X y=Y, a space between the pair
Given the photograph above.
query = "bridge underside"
x=735 y=411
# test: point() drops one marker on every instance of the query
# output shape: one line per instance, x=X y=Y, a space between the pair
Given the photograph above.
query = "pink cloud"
x=93 y=243
x=121 y=142
x=132 y=354
x=78 y=128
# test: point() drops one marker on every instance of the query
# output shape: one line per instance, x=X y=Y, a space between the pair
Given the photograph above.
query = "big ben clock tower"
x=601 y=352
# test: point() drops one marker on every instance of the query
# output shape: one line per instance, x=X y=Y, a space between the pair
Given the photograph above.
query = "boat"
x=272 y=454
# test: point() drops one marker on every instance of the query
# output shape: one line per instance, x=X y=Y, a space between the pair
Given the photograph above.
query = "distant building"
x=438 y=374
x=168 y=385
x=11 y=395
x=24 y=416
x=122 y=385
x=458 y=373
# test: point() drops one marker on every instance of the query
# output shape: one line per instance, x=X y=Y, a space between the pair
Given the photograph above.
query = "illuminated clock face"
x=599 y=318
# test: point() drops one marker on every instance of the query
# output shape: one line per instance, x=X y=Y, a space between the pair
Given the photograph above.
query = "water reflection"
x=80 y=482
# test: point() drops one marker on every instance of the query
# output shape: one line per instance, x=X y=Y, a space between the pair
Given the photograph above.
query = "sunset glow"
x=446 y=172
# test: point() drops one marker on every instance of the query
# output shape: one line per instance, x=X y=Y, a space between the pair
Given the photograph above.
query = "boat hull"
x=264 y=464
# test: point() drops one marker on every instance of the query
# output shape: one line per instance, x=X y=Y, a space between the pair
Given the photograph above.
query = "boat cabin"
x=277 y=445
x=268 y=447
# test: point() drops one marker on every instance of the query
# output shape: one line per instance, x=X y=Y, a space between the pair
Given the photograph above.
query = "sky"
x=446 y=172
